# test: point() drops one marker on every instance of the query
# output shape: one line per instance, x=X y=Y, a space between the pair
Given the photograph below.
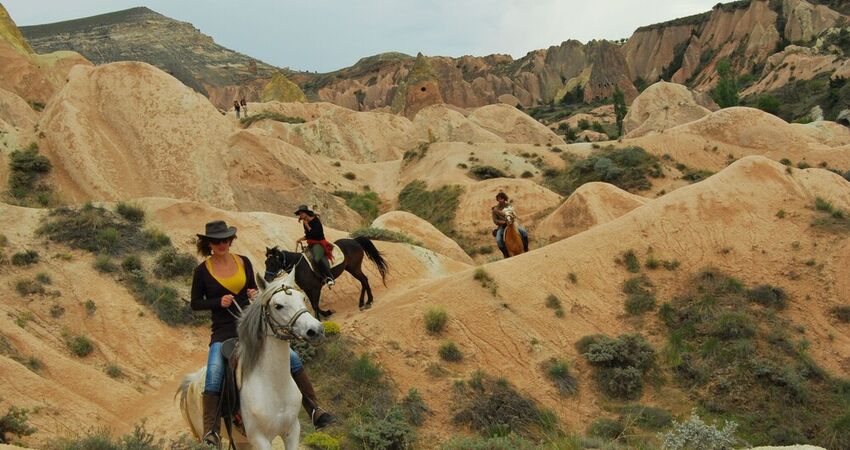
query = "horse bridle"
x=282 y=261
x=279 y=331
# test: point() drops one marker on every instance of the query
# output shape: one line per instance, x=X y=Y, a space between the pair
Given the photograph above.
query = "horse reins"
x=282 y=332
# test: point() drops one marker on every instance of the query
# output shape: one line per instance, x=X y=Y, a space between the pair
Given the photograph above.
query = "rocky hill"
x=178 y=48
x=748 y=33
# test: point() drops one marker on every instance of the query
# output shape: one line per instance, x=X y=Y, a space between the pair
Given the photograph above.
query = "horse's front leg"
x=259 y=441
x=315 y=295
x=290 y=441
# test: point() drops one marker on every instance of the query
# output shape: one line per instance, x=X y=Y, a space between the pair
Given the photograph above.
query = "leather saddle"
x=228 y=408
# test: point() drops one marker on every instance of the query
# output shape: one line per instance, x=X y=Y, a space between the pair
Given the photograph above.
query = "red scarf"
x=329 y=248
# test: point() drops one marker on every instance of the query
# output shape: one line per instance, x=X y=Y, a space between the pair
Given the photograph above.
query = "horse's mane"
x=252 y=327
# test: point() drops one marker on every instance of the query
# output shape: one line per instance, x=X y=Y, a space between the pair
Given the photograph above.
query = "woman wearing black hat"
x=220 y=281
x=319 y=247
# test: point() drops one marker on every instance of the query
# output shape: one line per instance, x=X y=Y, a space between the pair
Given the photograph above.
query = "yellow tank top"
x=233 y=283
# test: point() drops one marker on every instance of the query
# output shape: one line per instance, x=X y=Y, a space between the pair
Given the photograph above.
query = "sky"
x=326 y=35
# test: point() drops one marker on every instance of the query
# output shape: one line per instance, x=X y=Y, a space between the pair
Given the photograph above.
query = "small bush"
x=671 y=265
x=56 y=310
x=173 y=264
x=449 y=352
x=553 y=302
x=384 y=433
x=321 y=441
x=842 y=313
x=526 y=174
x=90 y=306
x=131 y=263
x=631 y=261
x=768 y=296
x=33 y=364
x=823 y=205
x=606 y=428
x=363 y=370
x=435 y=320
x=652 y=263
x=509 y=442
x=80 y=346
x=43 y=278
x=486 y=172
x=113 y=371
x=15 y=423
x=486 y=280
x=494 y=407
x=558 y=371
x=269 y=115
x=366 y=204
x=414 y=407
x=698 y=435
x=349 y=176
x=133 y=213
x=26 y=169
x=331 y=328
x=104 y=264
x=646 y=417
x=155 y=239
x=621 y=364
x=28 y=287
x=572 y=277
x=438 y=207
x=583 y=344
x=637 y=304
x=733 y=325
x=25 y=258
x=382 y=234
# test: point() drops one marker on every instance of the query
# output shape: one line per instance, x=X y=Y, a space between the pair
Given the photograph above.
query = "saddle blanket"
x=338 y=258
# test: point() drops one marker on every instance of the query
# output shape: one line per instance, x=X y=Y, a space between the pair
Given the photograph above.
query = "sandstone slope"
x=665 y=105
x=423 y=232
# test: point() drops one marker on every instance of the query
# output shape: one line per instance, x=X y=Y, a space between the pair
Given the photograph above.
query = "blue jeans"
x=215 y=367
x=500 y=236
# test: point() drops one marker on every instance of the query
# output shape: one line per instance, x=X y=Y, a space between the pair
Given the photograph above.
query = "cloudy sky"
x=325 y=35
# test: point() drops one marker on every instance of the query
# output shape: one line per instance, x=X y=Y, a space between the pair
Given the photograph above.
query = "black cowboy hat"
x=303 y=208
x=218 y=229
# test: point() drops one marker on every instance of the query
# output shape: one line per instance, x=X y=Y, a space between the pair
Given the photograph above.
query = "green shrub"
x=671 y=265
x=652 y=263
x=698 y=435
x=621 y=364
x=437 y=207
x=382 y=234
x=823 y=205
x=509 y=442
x=131 y=263
x=15 y=423
x=90 y=306
x=558 y=371
x=646 y=417
x=155 y=239
x=25 y=258
x=104 y=264
x=133 y=213
x=733 y=325
x=842 y=313
x=606 y=428
x=363 y=370
x=80 y=345
x=637 y=304
x=349 y=176
x=583 y=344
x=269 y=115
x=769 y=296
x=769 y=104
x=631 y=261
x=435 y=320
x=627 y=168
x=450 y=352
x=56 y=310
x=414 y=407
x=113 y=371
x=173 y=264
x=526 y=174
x=553 y=302
x=28 y=287
x=486 y=172
x=26 y=170
x=43 y=278
x=164 y=300
x=321 y=441
x=390 y=432
x=486 y=280
x=365 y=204
x=495 y=408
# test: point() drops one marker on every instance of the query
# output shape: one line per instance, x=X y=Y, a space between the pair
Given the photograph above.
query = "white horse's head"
x=285 y=310
x=510 y=214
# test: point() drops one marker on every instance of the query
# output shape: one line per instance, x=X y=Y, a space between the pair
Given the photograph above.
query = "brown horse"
x=513 y=240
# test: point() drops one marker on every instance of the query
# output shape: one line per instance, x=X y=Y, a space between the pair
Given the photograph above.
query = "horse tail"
x=374 y=255
x=184 y=391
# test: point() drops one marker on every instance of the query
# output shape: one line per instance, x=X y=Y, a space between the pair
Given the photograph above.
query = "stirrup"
x=329 y=281
x=212 y=439
x=321 y=418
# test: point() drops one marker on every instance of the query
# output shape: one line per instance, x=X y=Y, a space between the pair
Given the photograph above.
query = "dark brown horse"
x=278 y=260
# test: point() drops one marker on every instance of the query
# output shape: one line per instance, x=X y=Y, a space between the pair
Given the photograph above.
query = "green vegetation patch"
x=628 y=168
x=366 y=203
x=382 y=234
x=268 y=115
x=738 y=360
x=621 y=364
x=486 y=172
x=438 y=207
x=27 y=170
x=436 y=320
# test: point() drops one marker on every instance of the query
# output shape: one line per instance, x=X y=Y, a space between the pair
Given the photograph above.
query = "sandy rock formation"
x=528 y=198
x=592 y=136
x=664 y=105
x=280 y=89
x=10 y=33
x=513 y=125
x=793 y=63
x=440 y=123
x=590 y=205
x=826 y=132
x=423 y=232
x=420 y=88
x=805 y=20
x=16 y=112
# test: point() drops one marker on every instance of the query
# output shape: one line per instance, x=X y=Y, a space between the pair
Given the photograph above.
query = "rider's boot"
x=211 y=422
x=318 y=416
x=524 y=243
x=326 y=270
x=504 y=251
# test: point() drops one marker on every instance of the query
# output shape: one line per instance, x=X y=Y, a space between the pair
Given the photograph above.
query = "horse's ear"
x=290 y=278
x=261 y=283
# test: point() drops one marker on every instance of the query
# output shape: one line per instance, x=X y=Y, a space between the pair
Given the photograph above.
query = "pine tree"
x=620 y=108
x=726 y=91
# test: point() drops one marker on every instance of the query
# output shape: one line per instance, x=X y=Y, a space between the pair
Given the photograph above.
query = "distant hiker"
x=221 y=280
x=501 y=221
x=318 y=246
x=236 y=107
x=244 y=107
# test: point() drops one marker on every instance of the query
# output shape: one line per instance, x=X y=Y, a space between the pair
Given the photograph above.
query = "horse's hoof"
x=367 y=306
x=362 y=308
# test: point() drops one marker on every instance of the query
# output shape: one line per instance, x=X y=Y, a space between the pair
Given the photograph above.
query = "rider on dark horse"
x=501 y=221
x=319 y=248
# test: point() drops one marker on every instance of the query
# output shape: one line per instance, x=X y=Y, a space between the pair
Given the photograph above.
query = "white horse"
x=269 y=398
